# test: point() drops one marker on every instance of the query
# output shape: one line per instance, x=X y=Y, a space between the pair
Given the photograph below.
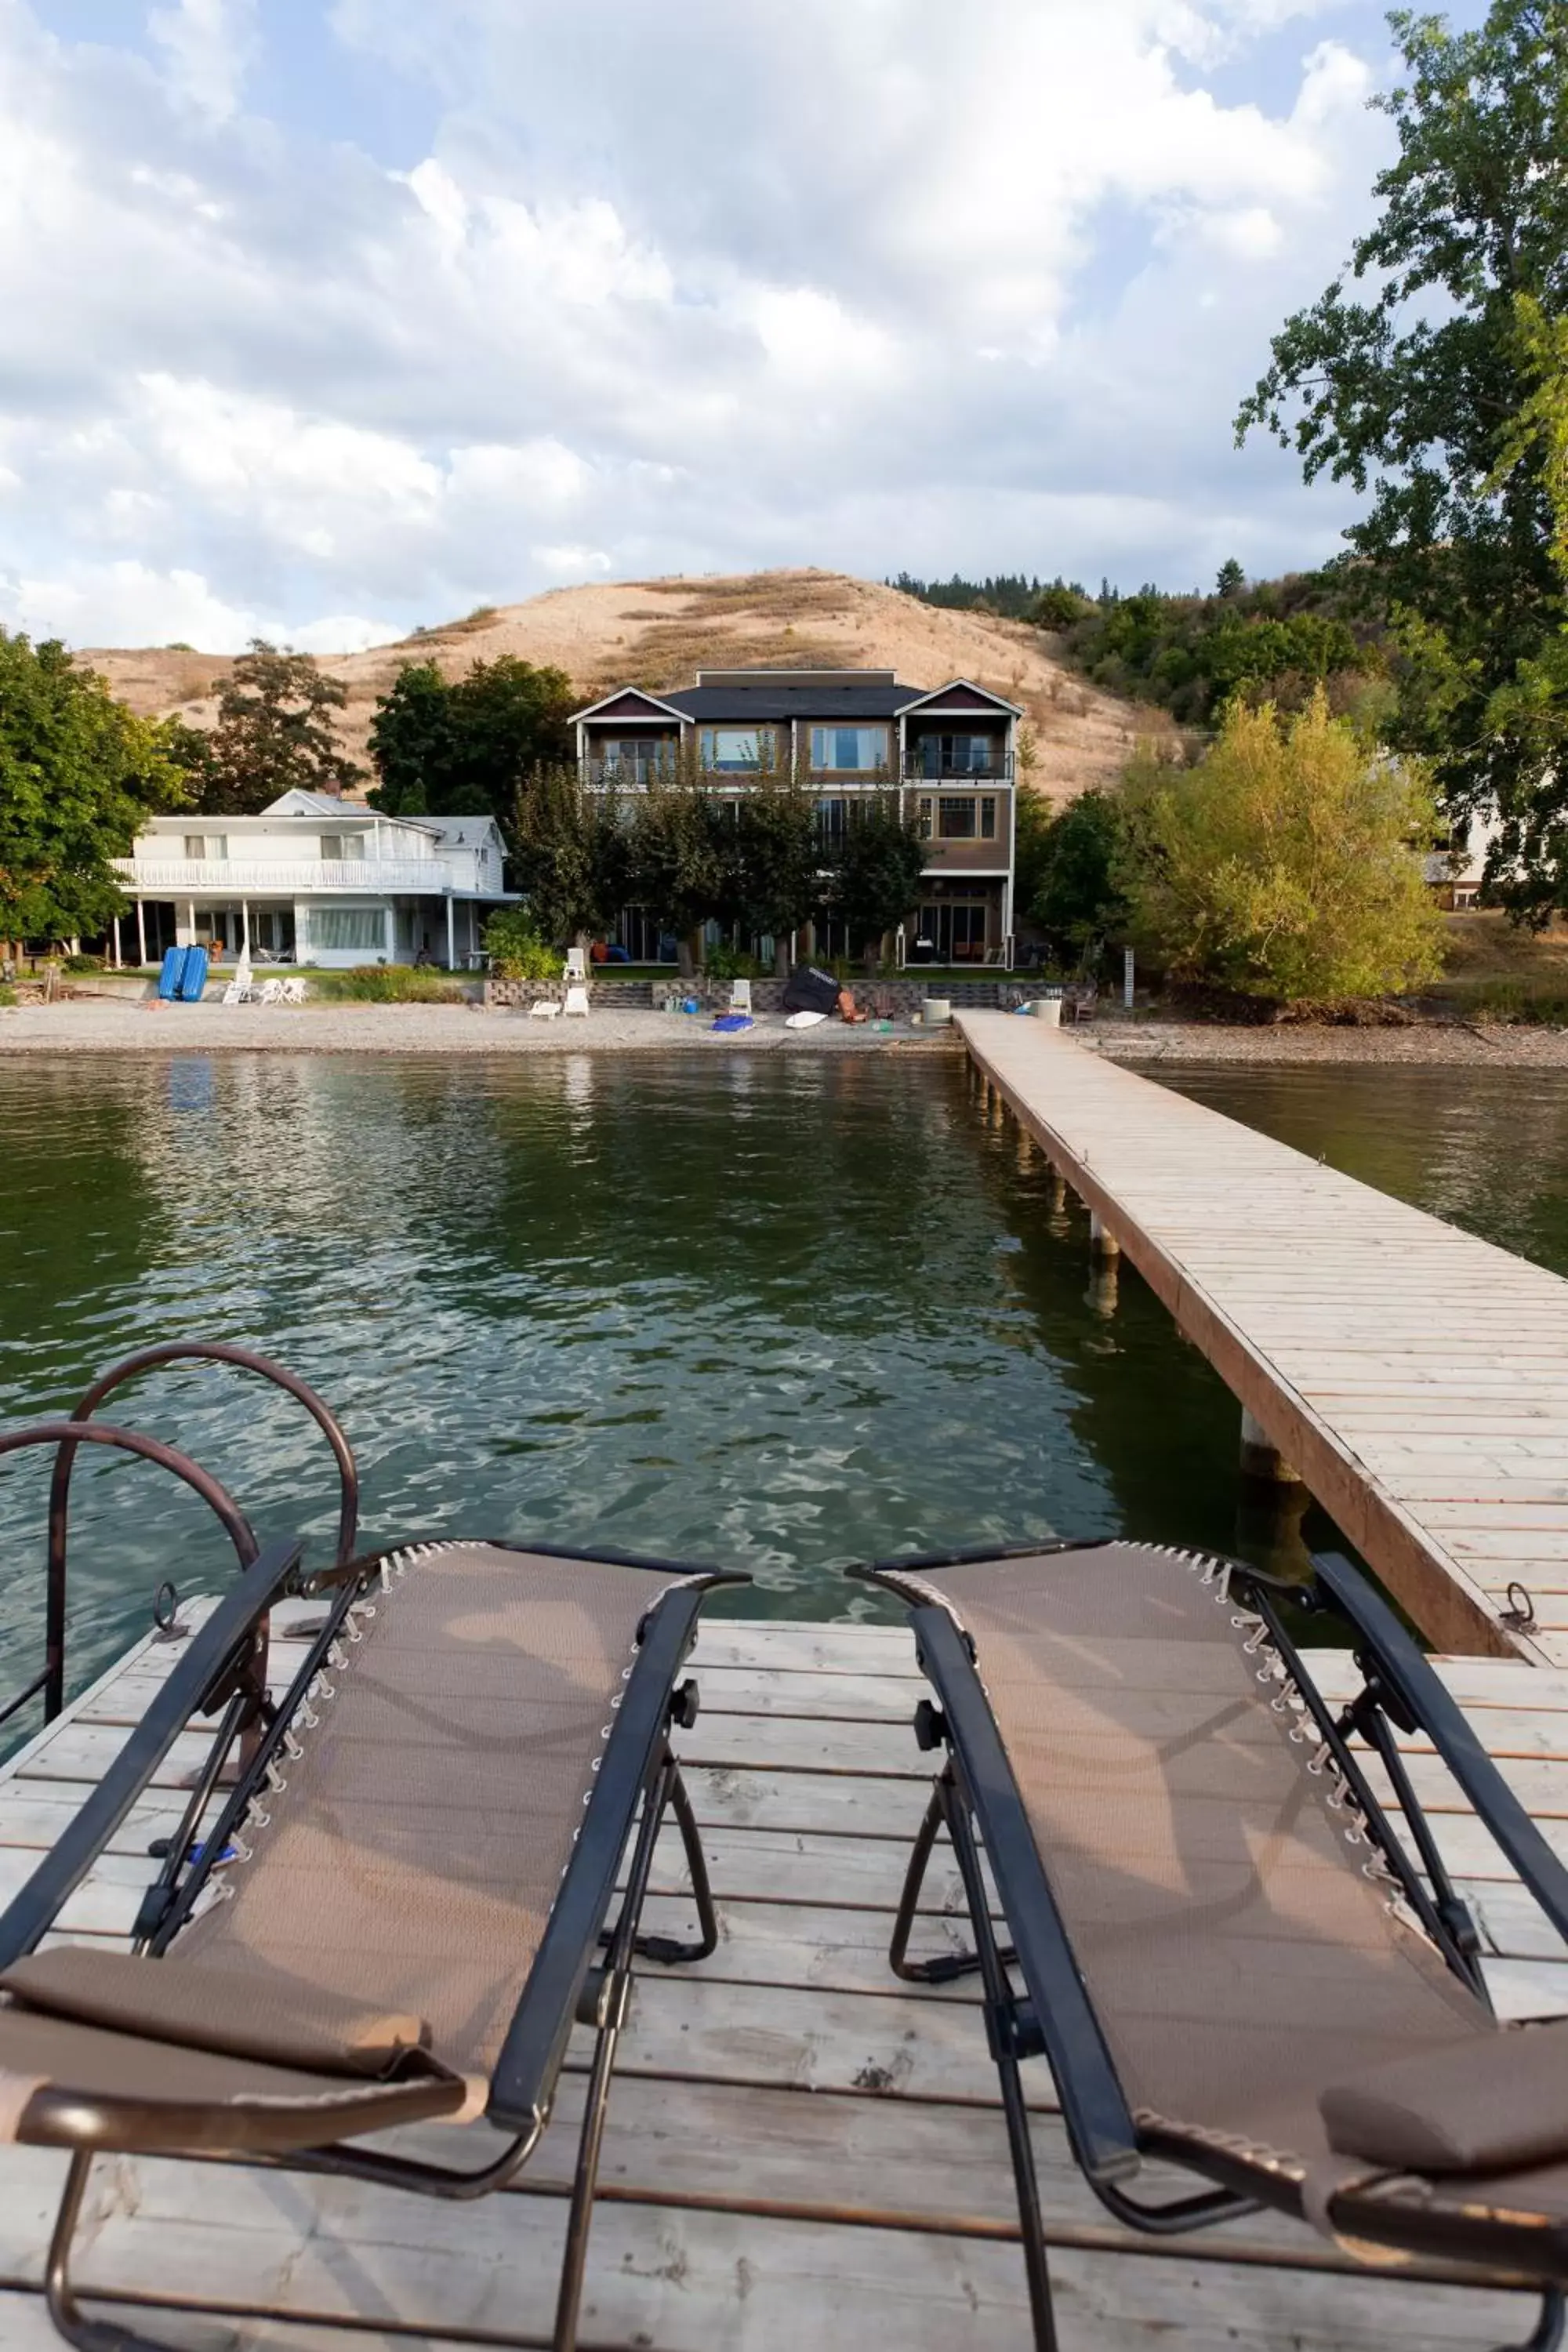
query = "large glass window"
x=851 y=749
x=987 y=816
x=342 y=845
x=348 y=930
x=204 y=846
x=831 y=818
x=729 y=749
x=956 y=817
x=958 y=755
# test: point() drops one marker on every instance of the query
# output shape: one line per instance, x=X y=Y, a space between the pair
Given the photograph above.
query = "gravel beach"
x=103 y=1024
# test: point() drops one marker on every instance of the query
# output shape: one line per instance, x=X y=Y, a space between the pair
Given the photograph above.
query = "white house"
x=315 y=880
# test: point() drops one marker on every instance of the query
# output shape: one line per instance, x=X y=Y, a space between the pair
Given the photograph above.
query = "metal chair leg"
x=59 y=2295
x=1548 y=2327
x=945 y=1966
x=611 y=1996
x=1001 y=2019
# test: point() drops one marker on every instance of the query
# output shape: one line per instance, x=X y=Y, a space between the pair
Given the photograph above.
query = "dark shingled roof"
x=726 y=705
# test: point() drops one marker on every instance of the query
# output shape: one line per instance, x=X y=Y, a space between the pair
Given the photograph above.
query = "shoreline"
x=96 y=1025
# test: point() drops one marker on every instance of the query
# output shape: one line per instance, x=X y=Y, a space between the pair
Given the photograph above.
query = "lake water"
x=776 y=1312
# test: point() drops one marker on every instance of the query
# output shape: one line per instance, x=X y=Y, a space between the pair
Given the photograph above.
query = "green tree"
x=1231 y=579
x=778 y=859
x=515 y=948
x=682 y=854
x=1412 y=390
x=874 y=871
x=463 y=747
x=1068 y=885
x=1288 y=862
x=78 y=776
x=573 y=854
x=274 y=735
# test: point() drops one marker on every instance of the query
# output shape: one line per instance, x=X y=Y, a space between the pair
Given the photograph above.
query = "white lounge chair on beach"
x=739 y=996
x=543 y=1008
x=576 y=1001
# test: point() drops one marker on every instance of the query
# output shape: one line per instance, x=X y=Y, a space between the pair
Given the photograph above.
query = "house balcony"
x=995 y=770
x=255 y=877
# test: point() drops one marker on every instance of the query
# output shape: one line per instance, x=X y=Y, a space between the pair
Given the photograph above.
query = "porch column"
x=116 y=927
x=451 y=936
x=244 y=924
x=190 y=914
x=142 y=929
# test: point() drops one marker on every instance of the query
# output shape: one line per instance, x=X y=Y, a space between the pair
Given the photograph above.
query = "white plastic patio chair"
x=576 y=1001
x=739 y=996
x=577 y=965
x=543 y=1008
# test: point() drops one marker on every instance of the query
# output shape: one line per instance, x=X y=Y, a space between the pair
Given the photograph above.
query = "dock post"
x=1261 y=1458
x=1058 y=1199
x=1101 y=1240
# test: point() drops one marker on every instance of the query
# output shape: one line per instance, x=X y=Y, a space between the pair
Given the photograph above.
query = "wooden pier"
x=1415 y=1377
x=800 y=2153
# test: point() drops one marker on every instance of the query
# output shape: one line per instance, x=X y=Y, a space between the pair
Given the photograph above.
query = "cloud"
x=858 y=282
x=209 y=46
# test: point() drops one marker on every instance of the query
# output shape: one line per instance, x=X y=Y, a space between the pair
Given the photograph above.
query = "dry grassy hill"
x=657 y=633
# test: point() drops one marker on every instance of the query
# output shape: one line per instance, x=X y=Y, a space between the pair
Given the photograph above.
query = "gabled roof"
x=742 y=698
x=461 y=832
x=962 y=694
x=629 y=702
x=298 y=802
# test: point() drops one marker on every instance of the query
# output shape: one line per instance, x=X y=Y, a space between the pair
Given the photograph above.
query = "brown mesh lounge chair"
x=1231 y=1959
x=400 y=1912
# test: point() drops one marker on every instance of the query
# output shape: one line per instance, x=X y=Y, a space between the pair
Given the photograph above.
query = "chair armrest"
x=1410 y=1682
x=33 y=1910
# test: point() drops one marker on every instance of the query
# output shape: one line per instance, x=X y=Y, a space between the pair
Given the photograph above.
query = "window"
x=956 y=817
x=348 y=928
x=731 y=747
x=204 y=846
x=925 y=816
x=831 y=818
x=987 y=816
x=633 y=756
x=850 y=748
x=342 y=845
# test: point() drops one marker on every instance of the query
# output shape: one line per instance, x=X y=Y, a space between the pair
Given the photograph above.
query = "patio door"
x=956 y=926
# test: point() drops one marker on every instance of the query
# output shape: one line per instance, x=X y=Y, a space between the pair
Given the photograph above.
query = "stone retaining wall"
x=901 y=996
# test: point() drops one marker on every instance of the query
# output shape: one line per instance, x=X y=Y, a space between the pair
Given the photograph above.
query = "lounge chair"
x=1230 y=1958
x=545 y=1008
x=576 y=1001
x=739 y=996
x=426 y=1840
x=576 y=964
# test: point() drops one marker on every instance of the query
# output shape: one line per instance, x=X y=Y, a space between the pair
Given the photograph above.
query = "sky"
x=323 y=318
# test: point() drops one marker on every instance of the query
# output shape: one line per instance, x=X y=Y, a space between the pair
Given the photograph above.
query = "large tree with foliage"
x=1067 y=882
x=682 y=854
x=1289 y=862
x=573 y=854
x=464 y=746
x=78 y=776
x=1412 y=390
x=274 y=735
x=874 y=871
x=778 y=859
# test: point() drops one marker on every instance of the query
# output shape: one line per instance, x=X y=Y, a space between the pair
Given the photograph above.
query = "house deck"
x=799 y=2154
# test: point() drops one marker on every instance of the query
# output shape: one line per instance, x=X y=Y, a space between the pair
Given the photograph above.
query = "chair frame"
x=976 y=1798
x=638 y=1781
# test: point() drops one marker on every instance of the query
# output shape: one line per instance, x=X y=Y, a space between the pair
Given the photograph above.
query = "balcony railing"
x=260 y=878
x=996 y=770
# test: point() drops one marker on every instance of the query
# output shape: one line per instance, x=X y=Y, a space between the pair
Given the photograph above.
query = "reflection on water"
x=778 y=1312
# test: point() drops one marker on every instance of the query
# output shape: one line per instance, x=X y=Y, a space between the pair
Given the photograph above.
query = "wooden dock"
x=799 y=2155
x=1416 y=1377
